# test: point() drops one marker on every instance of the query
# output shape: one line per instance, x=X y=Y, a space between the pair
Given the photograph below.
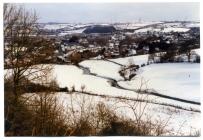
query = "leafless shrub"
x=15 y=116
x=101 y=119
x=38 y=115
x=75 y=58
x=48 y=119
x=73 y=88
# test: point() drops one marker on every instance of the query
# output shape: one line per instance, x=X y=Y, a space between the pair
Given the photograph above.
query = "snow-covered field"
x=103 y=68
x=69 y=26
x=138 y=60
x=72 y=32
x=169 y=27
x=68 y=76
x=197 y=24
x=180 y=80
x=133 y=25
x=197 y=51
x=55 y=26
x=165 y=30
x=177 y=80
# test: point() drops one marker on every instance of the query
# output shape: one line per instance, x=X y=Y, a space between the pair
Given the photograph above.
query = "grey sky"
x=114 y=12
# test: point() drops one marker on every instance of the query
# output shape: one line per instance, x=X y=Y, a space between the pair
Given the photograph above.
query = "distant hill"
x=99 y=29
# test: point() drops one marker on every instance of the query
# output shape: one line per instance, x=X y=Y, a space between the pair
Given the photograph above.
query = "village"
x=105 y=41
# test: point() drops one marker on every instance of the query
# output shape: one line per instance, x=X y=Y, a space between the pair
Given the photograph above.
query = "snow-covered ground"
x=103 y=68
x=180 y=80
x=197 y=51
x=165 y=30
x=69 y=26
x=194 y=24
x=72 y=32
x=167 y=78
x=133 y=25
x=144 y=30
x=55 y=26
x=138 y=60
x=182 y=24
x=68 y=76
x=171 y=29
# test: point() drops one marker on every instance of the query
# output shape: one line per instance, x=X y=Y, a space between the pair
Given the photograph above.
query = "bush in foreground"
x=42 y=115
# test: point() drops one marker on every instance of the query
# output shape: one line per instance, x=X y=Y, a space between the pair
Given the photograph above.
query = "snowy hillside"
x=177 y=80
x=164 y=30
x=102 y=83
x=138 y=60
x=72 y=32
x=103 y=68
x=133 y=25
x=55 y=26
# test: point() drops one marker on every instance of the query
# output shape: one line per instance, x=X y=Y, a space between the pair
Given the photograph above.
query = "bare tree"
x=24 y=48
x=187 y=46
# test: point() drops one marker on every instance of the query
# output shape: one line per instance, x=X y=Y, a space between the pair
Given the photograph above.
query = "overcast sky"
x=114 y=12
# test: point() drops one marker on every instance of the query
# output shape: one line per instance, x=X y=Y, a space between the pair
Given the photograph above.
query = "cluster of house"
x=113 y=44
